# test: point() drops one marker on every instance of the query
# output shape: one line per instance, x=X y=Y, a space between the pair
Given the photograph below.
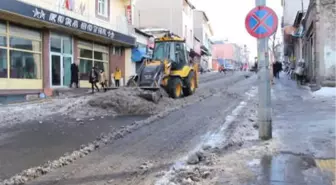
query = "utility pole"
x=264 y=88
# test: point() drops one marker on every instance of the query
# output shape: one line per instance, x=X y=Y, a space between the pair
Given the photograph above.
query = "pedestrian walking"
x=278 y=65
x=299 y=71
x=93 y=79
x=256 y=67
x=74 y=75
x=103 y=80
x=117 y=77
x=275 y=69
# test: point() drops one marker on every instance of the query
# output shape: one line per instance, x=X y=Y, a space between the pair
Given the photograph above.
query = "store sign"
x=62 y=20
x=71 y=23
x=129 y=14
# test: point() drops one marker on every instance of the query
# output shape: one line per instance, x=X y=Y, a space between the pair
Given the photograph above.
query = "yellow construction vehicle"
x=168 y=71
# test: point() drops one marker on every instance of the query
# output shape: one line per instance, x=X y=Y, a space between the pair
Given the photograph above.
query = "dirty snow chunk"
x=193 y=159
x=325 y=92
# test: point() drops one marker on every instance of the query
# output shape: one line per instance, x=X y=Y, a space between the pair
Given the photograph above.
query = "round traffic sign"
x=261 y=22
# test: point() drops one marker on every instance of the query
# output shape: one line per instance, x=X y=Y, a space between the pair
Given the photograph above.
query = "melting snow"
x=326 y=92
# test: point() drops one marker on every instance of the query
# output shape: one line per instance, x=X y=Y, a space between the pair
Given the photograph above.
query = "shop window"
x=92 y=55
x=55 y=44
x=24 y=65
x=60 y=44
x=85 y=53
x=118 y=51
x=100 y=56
x=24 y=51
x=101 y=65
x=67 y=46
x=3 y=27
x=3 y=41
x=85 y=66
x=102 y=8
x=3 y=63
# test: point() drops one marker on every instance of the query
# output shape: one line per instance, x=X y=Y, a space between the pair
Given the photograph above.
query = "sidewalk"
x=305 y=126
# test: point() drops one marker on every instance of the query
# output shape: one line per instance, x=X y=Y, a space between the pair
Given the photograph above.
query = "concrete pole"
x=264 y=89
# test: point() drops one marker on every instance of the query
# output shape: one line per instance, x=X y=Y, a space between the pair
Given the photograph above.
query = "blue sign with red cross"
x=261 y=22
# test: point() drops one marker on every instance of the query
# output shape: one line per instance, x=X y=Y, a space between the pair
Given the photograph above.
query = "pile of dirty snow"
x=325 y=92
x=125 y=101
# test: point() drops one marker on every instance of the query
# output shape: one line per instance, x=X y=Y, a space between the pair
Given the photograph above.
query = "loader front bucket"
x=151 y=94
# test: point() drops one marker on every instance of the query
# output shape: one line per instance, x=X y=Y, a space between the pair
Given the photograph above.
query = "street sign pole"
x=264 y=89
x=262 y=22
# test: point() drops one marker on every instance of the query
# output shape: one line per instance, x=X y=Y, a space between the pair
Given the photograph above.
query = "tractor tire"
x=190 y=84
x=175 y=87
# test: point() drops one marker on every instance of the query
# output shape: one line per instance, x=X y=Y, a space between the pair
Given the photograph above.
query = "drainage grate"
x=328 y=165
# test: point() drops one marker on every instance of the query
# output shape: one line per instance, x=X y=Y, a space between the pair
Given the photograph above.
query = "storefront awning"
x=36 y=13
x=139 y=53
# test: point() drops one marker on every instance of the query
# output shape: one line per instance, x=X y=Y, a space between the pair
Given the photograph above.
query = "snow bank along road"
x=158 y=144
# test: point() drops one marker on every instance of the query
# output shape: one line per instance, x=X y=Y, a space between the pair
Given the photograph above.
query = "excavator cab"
x=173 y=52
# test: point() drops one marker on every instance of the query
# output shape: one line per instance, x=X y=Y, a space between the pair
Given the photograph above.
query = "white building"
x=174 y=15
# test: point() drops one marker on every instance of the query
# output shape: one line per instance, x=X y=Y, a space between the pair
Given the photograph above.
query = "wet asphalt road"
x=160 y=143
x=33 y=143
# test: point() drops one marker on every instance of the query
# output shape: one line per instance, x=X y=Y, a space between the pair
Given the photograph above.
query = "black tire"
x=173 y=83
x=188 y=89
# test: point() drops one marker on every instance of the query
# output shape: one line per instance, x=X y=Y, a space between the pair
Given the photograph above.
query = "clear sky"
x=227 y=18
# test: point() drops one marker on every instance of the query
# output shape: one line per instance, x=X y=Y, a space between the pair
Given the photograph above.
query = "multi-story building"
x=203 y=31
x=173 y=15
x=225 y=52
x=40 y=39
x=318 y=42
x=290 y=9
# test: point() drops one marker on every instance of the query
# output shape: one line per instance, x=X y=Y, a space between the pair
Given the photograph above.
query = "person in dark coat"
x=74 y=75
x=275 y=70
x=93 y=79
x=278 y=69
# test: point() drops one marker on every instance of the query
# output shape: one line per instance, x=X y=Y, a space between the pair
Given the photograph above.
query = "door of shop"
x=61 y=59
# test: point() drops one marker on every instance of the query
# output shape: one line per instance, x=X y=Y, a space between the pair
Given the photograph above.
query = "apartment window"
x=102 y=8
x=90 y=55
x=20 y=52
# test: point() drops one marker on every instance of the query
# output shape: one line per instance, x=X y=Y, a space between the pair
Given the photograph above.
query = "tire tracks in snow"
x=104 y=139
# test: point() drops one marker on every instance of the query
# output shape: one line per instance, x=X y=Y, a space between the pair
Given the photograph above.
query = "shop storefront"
x=20 y=57
x=91 y=54
x=61 y=58
x=38 y=46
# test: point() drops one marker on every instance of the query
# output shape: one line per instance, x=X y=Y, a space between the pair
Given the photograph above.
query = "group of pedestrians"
x=95 y=77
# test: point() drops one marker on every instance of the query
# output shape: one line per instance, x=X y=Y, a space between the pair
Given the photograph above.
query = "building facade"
x=230 y=53
x=40 y=39
x=290 y=9
x=204 y=32
x=312 y=39
x=173 y=15
x=318 y=42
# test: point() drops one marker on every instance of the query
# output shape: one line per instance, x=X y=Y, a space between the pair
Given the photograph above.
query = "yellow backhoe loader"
x=169 y=71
